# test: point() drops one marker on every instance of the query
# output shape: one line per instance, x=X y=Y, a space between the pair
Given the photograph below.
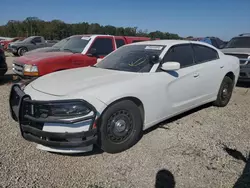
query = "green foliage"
x=57 y=29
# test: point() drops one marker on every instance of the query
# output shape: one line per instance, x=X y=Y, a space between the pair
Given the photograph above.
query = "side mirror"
x=33 y=42
x=91 y=52
x=170 y=66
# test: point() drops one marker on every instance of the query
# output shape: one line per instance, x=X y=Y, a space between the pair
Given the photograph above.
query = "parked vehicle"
x=240 y=47
x=73 y=52
x=5 y=43
x=30 y=43
x=3 y=64
x=130 y=90
x=215 y=41
x=5 y=38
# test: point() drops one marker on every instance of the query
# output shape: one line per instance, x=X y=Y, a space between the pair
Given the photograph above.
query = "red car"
x=5 y=43
x=73 y=52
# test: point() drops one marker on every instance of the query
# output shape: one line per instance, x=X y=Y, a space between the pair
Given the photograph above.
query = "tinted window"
x=239 y=42
x=103 y=46
x=37 y=40
x=203 y=53
x=119 y=42
x=182 y=54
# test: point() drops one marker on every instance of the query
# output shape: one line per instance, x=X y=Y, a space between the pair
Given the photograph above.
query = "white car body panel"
x=162 y=94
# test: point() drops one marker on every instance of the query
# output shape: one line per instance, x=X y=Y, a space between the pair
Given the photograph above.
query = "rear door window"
x=119 y=42
x=204 y=53
x=103 y=46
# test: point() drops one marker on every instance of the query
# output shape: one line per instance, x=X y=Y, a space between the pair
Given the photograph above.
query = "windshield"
x=60 y=43
x=131 y=58
x=74 y=44
x=239 y=42
x=27 y=39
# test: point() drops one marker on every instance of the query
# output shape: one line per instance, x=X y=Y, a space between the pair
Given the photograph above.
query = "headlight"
x=62 y=110
x=30 y=70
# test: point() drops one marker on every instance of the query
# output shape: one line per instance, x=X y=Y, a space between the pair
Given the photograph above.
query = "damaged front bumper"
x=51 y=133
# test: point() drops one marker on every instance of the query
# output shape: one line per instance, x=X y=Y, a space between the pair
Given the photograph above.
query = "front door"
x=182 y=91
x=103 y=46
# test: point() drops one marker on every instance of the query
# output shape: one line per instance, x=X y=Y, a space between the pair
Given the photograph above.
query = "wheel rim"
x=226 y=92
x=22 y=51
x=120 y=126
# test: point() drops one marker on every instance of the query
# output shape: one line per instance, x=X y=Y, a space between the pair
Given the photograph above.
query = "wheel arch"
x=20 y=48
x=231 y=75
x=135 y=100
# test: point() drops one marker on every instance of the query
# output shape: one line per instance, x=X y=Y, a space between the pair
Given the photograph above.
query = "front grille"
x=18 y=68
x=240 y=56
x=243 y=58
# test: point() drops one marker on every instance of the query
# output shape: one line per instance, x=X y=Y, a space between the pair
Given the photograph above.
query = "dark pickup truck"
x=20 y=47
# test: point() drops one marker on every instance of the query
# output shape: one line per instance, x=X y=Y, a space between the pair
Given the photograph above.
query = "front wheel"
x=225 y=92
x=120 y=127
x=21 y=51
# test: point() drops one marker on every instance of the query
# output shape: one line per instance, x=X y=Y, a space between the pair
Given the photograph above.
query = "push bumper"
x=32 y=127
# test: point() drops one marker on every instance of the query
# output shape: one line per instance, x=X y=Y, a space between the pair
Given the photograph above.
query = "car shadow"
x=243 y=84
x=9 y=79
x=95 y=151
x=244 y=180
x=164 y=179
x=163 y=124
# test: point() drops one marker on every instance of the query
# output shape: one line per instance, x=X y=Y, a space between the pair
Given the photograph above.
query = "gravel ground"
x=189 y=146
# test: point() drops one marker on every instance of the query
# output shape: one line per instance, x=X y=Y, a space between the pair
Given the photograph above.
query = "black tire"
x=120 y=127
x=225 y=92
x=21 y=51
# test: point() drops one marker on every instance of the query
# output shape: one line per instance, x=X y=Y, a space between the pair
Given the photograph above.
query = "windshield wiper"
x=111 y=68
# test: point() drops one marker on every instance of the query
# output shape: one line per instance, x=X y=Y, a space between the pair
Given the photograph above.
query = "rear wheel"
x=120 y=127
x=225 y=92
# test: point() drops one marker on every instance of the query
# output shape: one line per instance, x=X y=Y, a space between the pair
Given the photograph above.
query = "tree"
x=57 y=29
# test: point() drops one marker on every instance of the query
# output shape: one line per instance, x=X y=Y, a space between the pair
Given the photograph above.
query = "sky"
x=198 y=18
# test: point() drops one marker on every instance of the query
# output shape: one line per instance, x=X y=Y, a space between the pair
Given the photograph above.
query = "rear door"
x=210 y=67
x=103 y=45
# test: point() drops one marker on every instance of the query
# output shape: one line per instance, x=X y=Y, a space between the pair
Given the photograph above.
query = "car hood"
x=86 y=80
x=236 y=50
x=38 y=56
x=17 y=43
x=45 y=49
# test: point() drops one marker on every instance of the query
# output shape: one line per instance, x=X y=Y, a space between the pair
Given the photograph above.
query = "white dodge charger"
x=130 y=90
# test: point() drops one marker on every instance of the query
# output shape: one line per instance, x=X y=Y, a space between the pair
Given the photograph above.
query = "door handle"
x=222 y=66
x=196 y=75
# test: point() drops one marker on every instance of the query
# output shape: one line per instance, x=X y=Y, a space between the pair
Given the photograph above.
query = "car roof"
x=169 y=42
